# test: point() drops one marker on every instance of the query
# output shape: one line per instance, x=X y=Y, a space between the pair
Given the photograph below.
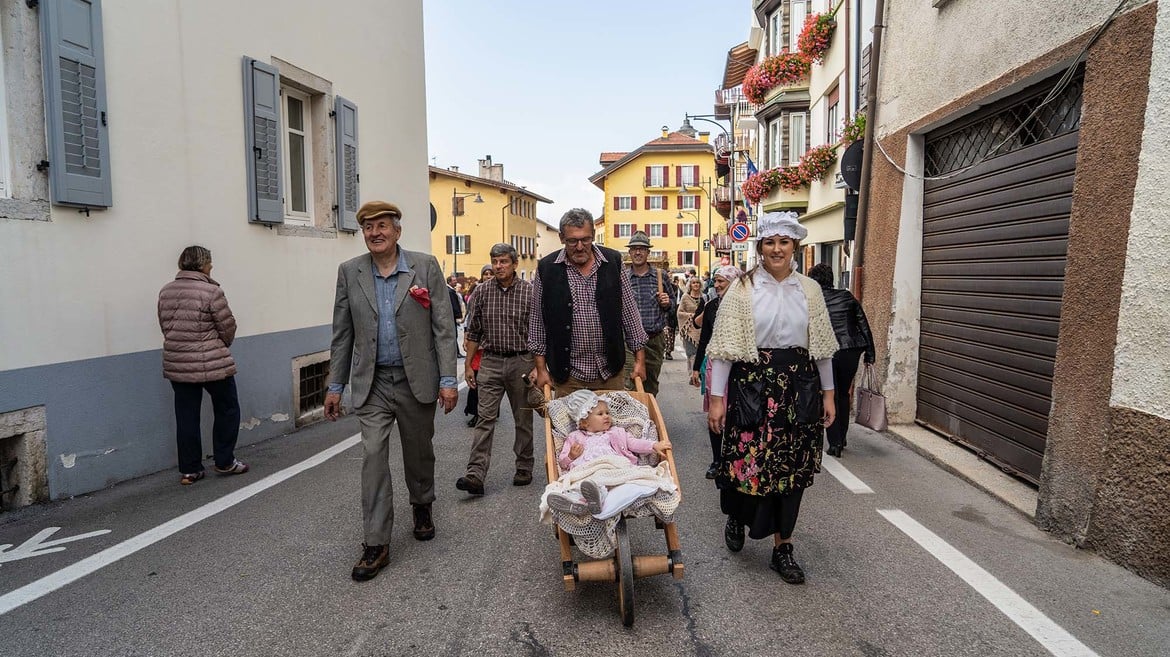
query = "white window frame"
x=657 y=230
x=625 y=230
x=775 y=32
x=694 y=259
x=832 y=122
x=658 y=176
x=794 y=25
x=688 y=176
x=657 y=203
x=797 y=136
x=690 y=230
x=306 y=132
x=775 y=140
x=689 y=201
x=657 y=255
x=625 y=203
x=459 y=244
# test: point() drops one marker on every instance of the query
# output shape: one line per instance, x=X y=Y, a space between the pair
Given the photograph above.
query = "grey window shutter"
x=467 y=243
x=75 y=103
x=262 y=139
x=345 y=116
x=450 y=244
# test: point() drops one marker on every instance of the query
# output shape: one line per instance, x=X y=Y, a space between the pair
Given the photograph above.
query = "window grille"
x=1006 y=130
x=314 y=381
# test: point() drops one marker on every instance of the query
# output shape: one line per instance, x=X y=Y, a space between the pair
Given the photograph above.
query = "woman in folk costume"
x=772 y=352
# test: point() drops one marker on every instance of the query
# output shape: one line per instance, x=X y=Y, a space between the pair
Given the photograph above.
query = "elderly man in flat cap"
x=393 y=336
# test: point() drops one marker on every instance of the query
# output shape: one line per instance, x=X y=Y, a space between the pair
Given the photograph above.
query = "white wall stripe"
x=69 y=574
x=1050 y=635
x=843 y=475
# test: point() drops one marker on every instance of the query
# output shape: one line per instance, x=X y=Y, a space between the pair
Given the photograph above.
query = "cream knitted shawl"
x=734 y=335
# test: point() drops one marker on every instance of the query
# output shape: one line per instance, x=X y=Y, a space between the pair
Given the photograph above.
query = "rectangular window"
x=797 y=141
x=775 y=33
x=623 y=202
x=657 y=177
x=657 y=230
x=690 y=201
x=799 y=13
x=688 y=258
x=775 y=139
x=656 y=203
x=688 y=179
x=690 y=230
x=462 y=244
x=298 y=173
x=833 y=123
x=625 y=230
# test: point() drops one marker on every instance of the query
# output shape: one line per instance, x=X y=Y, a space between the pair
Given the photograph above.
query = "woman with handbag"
x=688 y=303
x=852 y=329
x=772 y=347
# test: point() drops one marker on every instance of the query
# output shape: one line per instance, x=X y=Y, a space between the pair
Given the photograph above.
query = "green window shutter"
x=262 y=139
x=75 y=103
x=345 y=116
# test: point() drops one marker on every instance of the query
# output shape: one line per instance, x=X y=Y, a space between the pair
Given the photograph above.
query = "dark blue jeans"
x=224 y=431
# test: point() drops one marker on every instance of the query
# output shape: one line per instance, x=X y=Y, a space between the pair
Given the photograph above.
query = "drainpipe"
x=868 y=149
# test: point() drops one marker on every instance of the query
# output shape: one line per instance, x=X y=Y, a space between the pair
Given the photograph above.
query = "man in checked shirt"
x=498 y=325
x=653 y=291
x=583 y=314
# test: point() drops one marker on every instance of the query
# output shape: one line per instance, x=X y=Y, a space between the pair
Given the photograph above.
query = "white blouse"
x=780 y=311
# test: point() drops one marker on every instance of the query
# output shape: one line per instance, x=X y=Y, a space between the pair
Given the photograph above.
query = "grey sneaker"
x=566 y=504
x=594 y=495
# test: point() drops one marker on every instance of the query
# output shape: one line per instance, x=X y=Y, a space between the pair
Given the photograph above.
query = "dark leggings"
x=789 y=509
x=716 y=445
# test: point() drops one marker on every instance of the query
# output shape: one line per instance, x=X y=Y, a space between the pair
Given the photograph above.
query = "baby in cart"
x=598 y=445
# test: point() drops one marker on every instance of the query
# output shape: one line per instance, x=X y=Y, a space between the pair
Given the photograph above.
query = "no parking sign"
x=740 y=231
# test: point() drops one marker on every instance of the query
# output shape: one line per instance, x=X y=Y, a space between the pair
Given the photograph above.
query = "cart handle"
x=638 y=384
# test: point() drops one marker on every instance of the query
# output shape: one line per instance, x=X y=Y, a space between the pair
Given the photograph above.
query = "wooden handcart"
x=624 y=566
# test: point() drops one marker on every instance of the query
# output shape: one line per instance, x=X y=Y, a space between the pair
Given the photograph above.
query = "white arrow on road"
x=37 y=545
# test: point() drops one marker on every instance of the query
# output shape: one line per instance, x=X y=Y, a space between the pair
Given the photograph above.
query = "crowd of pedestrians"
x=773 y=352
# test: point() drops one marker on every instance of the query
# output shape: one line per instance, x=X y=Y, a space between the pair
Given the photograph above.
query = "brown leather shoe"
x=374 y=559
x=470 y=483
x=424 y=527
x=522 y=478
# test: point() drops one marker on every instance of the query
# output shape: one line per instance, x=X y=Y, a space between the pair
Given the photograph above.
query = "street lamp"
x=710 y=234
x=456 y=210
x=730 y=155
x=698 y=236
x=504 y=222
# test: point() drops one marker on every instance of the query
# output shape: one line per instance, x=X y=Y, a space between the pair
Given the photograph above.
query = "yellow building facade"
x=663 y=188
x=473 y=213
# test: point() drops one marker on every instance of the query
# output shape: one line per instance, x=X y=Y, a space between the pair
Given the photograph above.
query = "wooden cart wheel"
x=625 y=575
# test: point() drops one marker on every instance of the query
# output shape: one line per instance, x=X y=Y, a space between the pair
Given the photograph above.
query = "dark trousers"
x=224 y=431
x=716 y=445
x=845 y=363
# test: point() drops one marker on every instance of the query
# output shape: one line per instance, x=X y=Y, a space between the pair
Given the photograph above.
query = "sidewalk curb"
x=964 y=464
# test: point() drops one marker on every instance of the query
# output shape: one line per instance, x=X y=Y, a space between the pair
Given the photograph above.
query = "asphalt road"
x=269 y=575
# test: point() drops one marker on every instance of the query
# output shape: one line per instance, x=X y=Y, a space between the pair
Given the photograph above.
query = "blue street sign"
x=739 y=231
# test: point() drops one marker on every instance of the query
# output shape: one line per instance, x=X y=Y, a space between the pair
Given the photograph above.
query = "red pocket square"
x=422 y=296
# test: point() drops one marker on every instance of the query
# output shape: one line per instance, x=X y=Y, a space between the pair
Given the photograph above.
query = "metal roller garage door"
x=995 y=240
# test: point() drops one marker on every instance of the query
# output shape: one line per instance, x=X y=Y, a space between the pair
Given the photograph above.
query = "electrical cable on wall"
x=1060 y=86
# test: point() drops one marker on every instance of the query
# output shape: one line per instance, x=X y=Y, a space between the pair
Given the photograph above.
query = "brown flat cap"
x=376 y=209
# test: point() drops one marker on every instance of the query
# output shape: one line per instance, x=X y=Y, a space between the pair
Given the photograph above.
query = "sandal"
x=188 y=479
x=237 y=467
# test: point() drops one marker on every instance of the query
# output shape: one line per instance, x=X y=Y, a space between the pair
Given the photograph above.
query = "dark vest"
x=556 y=309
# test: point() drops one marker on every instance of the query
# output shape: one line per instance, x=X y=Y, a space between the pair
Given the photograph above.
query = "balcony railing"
x=722 y=194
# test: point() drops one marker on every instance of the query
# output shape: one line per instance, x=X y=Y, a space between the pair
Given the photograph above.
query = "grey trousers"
x=499 y=375
x=391 y=399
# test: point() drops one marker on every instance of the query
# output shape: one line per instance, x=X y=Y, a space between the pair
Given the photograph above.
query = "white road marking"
x=1050 y=635
x=69 y=574
x=843 y=475
x=37 y=545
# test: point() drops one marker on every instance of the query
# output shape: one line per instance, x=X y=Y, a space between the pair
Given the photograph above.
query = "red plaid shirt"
x=498 y=318
x=587 y=354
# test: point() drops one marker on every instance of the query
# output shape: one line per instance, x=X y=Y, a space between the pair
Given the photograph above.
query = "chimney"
x=705 y=137
x=665 y=131
x=493 y=172
x=453 y=169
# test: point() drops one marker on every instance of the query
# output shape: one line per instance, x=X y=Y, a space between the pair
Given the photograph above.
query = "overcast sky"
x=545 y=86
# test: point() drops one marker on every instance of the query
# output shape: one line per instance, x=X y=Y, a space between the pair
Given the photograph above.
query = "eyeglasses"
x=584 y=241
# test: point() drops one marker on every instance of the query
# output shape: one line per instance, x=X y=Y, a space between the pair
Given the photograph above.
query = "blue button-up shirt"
x=385 y=292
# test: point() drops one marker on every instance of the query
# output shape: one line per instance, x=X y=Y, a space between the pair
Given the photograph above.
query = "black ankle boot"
x=733 y=534
x=783 y=563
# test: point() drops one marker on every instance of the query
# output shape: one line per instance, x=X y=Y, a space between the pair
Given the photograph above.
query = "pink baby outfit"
x=614 y=442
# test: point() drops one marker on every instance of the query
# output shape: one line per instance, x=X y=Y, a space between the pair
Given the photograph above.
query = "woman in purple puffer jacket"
x=198 y=328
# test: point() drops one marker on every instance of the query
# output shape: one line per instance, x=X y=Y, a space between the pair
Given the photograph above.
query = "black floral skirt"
x=767 y=451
